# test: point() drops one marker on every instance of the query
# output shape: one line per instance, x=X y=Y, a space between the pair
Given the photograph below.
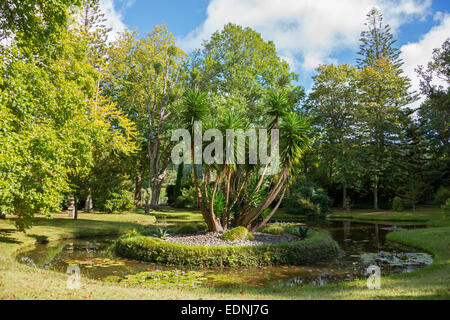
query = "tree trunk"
x=266 y=219
x=248 y=218
x=75 y=212
x=156 y=192
x=344 y=195
x=177 y=189
x=88 y=206
x=209 y=217
x=147 y=206
x=375 y=193
x=139 y=182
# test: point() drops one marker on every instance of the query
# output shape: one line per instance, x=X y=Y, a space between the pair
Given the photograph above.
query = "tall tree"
x=415 y=166
x=240 y=194
x=35 y=24
x=145 y=78
x=435 y=111
x=89 y=24
x=238 y=64
x=333 y=109
x=50 y=122
x=384 y=96
x=51 y=126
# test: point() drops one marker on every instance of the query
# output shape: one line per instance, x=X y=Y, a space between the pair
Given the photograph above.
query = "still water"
x=362 y=244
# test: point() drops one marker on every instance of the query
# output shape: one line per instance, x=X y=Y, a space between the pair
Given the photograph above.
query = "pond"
x=362 y=244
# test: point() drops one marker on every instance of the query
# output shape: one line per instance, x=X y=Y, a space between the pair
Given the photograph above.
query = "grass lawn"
x=173 y=215
x=426 y=214
x=18 y=281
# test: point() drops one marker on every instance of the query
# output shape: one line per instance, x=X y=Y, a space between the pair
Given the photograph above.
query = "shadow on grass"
x=39 y=238
x=67 y=228
x=5 y=236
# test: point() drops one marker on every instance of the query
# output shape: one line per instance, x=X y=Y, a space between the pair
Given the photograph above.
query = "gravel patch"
x=214 y=239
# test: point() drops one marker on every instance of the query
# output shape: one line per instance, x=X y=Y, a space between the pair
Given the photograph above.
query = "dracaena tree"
x=232 y=193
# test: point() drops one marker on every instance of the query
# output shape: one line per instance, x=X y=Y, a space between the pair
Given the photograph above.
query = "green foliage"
x=161 y=233
x=287 y=228
x=396 y=259
x=188 y=228
x=195 y=108
x=35 y=24
x=163 y=278
x=273 y=229
x=236 y=234
x=170 y=194
x=307 y=199
x=108 y=182
x=188 y=198
x=377 y=41
x=435 y=111
x=317 y=247
x=302 y=232
x=52 y=115
x=37 y=156
x=397 y=204
x=442 y=194
x=144 y=77
x=177 y=187
x=294 y=138
x=237 y=63
x=119 y=202
x=334 y=116
x=446 y=207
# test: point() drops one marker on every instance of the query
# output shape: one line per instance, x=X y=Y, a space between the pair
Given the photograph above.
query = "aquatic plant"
x=165 y=277
x=396 y=259
x=95 y=262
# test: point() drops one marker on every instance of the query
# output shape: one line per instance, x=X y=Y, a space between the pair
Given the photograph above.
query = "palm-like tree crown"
x=277 y=105
x=294 y=139
x=195 y=108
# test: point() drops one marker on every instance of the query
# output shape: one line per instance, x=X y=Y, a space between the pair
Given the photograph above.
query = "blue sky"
x=307 y=33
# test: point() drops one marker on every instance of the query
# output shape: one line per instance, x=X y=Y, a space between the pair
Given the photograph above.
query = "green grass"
x=174 y=215
x=18 y=281
x=423 y=214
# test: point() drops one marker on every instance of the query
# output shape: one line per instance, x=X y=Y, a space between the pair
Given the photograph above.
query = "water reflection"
x=354 y=238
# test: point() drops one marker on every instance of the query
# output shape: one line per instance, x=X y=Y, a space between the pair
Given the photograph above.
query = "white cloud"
x=305 y=32
x=420 y=52
x=114 y=17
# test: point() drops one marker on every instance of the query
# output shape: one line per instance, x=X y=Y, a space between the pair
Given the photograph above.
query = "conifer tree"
x=384 y=96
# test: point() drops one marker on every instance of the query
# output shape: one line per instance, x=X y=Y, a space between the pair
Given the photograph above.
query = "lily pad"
x=397 y=259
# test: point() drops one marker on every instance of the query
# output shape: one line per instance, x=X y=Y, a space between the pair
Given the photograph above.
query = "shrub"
x=317 y=247
x=442 y=194
x=236 y=234
x=302 y=232
x=397 y=204
x=170 y=192
x=446 y=207
x=119 y=201
x=273 y=229
x=188 y=198
x=187 y=229
x=308 y=199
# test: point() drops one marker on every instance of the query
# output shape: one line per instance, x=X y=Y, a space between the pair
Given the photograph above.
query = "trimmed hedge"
x=318 y=246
